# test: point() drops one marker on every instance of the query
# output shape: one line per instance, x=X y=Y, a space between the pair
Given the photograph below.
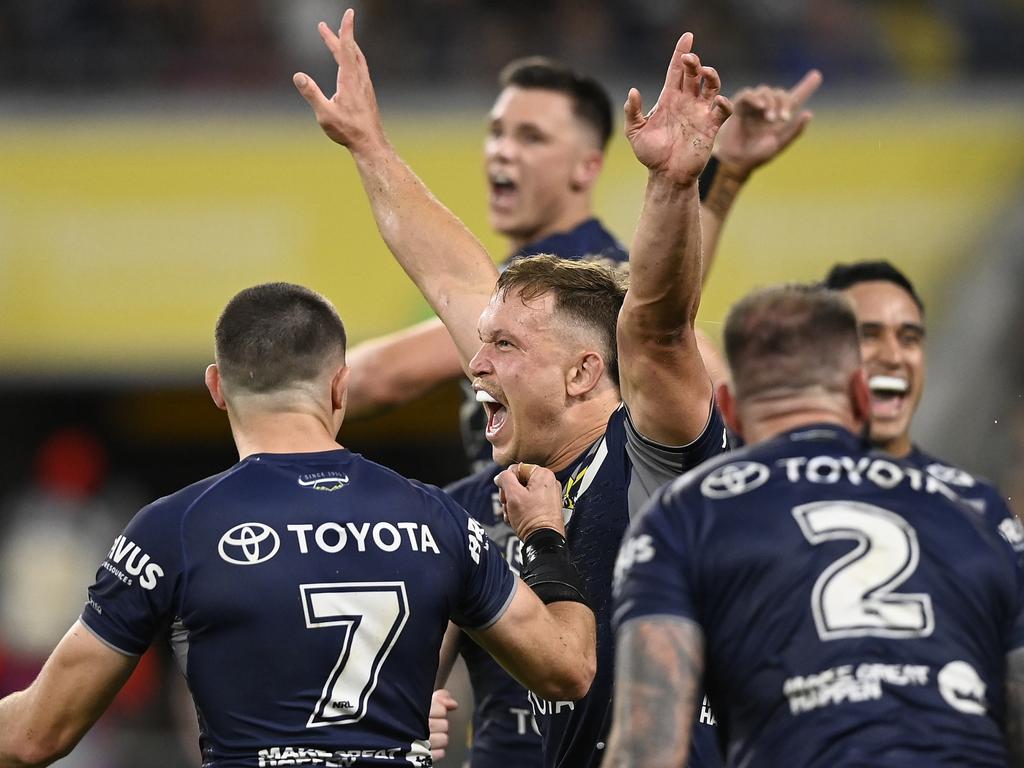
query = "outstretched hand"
x=765 y=121
x=531 y=498
x=350 y=116
x=676 y=137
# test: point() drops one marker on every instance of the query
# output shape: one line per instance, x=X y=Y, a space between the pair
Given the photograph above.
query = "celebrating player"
x=844 y=608
x=563 y=343
x=307 y=589
x=890 y=316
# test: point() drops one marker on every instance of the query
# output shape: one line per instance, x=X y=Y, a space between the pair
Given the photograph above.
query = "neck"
x=898 y=447
x=568 y=219
x=589 y=422
x=765 y=419
x=284 y=432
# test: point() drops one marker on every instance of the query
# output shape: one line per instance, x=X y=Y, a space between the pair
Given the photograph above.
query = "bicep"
x=659 y=661
x=75 y=687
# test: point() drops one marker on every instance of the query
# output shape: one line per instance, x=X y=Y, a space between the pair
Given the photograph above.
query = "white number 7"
x=372 y=615
x=854 y=596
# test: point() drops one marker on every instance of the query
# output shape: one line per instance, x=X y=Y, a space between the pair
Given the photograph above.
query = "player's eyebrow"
x=914 y=327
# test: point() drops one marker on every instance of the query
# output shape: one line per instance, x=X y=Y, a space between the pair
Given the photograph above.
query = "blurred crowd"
x=187 y=44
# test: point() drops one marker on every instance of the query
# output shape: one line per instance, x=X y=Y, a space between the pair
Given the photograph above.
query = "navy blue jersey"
x=504 y=731
x=588 y=240
x=306 y=597
x=609 y=483
x=855 y=612
x=978 y=493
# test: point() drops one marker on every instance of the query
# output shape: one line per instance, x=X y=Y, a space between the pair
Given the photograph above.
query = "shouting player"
x=603 y=386
x=844 y=608
x=306 y=589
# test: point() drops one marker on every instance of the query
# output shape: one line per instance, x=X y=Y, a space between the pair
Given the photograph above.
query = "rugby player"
x=605 y=387
x=841 y=607
x=766 y=120
x=306 y=589
x=890 y=316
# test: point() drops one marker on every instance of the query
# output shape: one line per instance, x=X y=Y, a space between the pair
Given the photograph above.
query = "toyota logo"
x=734 y=479
x=249 y=544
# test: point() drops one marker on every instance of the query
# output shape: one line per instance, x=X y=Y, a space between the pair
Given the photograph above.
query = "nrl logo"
x=323 y=482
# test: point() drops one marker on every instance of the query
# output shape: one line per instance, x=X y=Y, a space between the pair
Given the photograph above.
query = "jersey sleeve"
x=652 y=569
x=654 y=464
x=488 y=582
x=134 y=593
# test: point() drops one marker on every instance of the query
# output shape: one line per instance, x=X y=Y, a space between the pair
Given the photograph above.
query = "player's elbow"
x=36 y=748
x=572 y=680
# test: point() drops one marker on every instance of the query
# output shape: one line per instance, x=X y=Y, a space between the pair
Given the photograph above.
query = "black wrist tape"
x=549 y=572
x=707 y=178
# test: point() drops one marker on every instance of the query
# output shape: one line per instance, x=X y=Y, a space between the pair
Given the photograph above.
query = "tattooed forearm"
x=1015 y=707
x=724 y=189
x=658 y=667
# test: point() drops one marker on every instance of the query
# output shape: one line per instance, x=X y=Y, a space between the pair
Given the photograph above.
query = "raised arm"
x=663 y=378
x=392 y=370
x=765 y=121
x=659 y=661
x=444 y=259
x=76 y=685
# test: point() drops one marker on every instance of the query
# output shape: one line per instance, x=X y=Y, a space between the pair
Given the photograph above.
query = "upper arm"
x=74 y=688
x=396 y=369
x=659 y=661
x=664 y=381
x=449 y=652
x=550 y=649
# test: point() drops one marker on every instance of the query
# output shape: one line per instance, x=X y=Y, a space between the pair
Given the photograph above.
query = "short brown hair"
x=791 y=337
x=590 y=102
x=586 y=292
x=276 y=334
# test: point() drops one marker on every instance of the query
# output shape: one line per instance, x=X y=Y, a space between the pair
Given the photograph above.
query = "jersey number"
x=372 y=616
x=854 y=596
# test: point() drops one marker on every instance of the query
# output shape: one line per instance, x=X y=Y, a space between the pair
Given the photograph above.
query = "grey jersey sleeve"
x=654 y=464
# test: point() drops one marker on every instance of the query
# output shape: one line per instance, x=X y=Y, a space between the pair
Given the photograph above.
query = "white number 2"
x=372 y=616
x=854 y=596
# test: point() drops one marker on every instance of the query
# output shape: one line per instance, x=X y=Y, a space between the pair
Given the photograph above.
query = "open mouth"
x=888 y=393
x=496 y=413
x=503 y=190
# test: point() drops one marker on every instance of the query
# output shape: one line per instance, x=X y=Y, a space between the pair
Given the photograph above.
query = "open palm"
x=676 y=137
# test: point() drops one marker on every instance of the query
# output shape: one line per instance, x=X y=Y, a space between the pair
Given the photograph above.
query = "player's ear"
x=339 y=388
x=727 y=405
x=584 y=375
x=860 y=397
x=587 y=169
x=212 y=379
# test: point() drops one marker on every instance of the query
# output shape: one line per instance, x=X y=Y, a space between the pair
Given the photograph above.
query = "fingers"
x=310 y=91
x=712 y=82
x=721 y=109
x=524 y=472
x=633 y=111
x=691 y=74
x=444 y=701
x=803 y=90
x=674 y=76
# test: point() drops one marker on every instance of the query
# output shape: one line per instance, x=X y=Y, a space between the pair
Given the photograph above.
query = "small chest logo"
x=321 y=481
x=249 y=544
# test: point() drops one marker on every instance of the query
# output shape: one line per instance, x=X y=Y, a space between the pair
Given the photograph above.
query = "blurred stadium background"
x=155 y=159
